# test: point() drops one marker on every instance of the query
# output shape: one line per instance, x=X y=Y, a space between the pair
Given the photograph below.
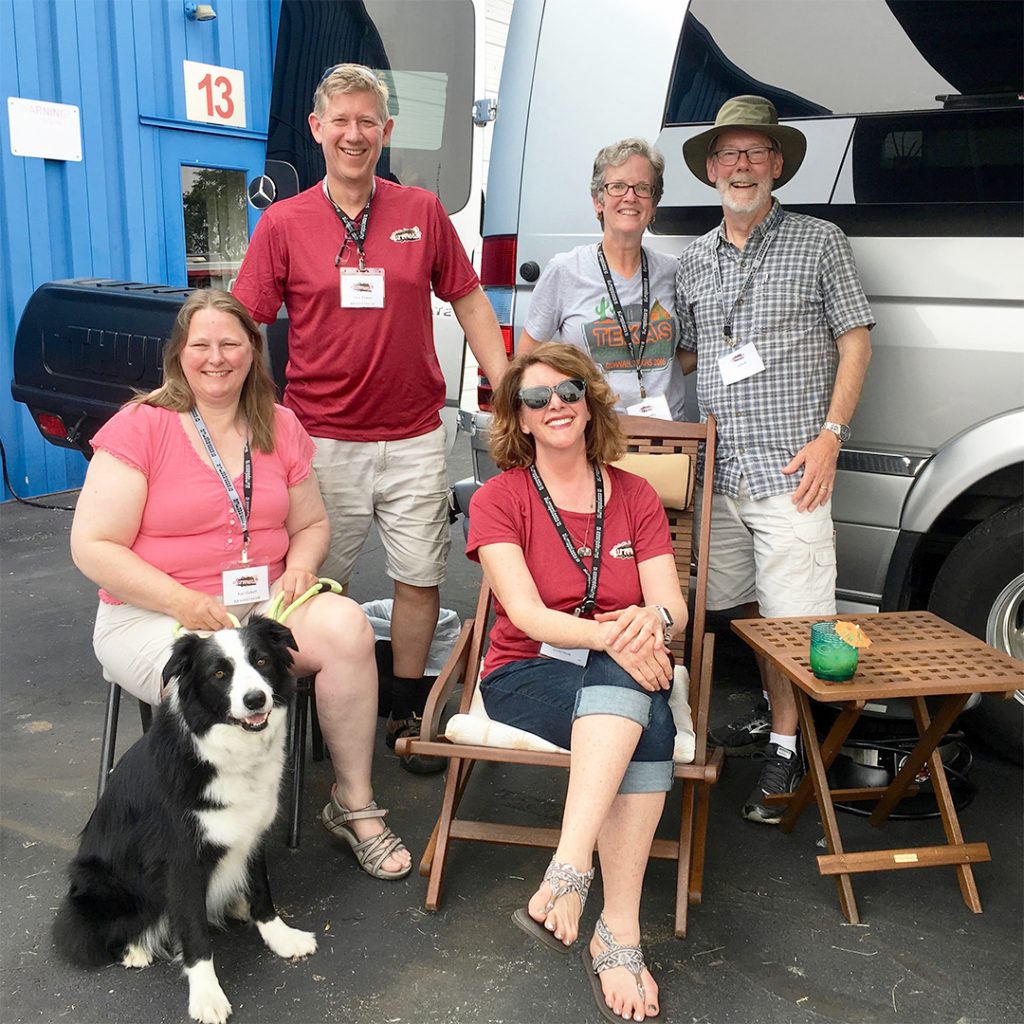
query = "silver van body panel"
x=941 y=405
x=979 y=451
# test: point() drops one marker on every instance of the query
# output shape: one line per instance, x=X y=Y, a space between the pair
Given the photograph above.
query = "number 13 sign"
x=214 y=95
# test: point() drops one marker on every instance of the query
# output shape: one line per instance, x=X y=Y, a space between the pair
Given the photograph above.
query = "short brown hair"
x=617 y=154
x=350 y=78
x=511 y=448
x=259 y=392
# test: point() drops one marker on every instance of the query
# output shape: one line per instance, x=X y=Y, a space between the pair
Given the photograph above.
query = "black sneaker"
x=747 y=734
x=418 y=764
x=781 y=773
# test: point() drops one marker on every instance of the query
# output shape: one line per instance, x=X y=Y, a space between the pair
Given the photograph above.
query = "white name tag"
x=740 y=363
x=656 y=407
x=245 y=584
x=573 y=655
x=362 y=289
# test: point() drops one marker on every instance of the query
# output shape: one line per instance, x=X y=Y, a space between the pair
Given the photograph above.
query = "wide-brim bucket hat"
x=754 y=113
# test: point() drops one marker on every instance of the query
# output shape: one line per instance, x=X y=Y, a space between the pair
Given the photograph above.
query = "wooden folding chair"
x=655 y=437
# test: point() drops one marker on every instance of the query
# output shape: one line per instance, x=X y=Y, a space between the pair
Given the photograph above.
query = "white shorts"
x=133 y=645
x=766 y=551
x=400 y=485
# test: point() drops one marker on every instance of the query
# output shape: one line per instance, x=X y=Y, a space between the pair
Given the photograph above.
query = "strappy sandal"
x=371 y=853
x=564 y=880
x=615 y=955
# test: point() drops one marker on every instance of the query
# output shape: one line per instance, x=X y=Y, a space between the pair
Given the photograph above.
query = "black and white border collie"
x=176 y=841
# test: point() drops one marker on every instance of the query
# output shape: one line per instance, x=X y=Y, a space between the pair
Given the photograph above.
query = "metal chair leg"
x=298 y=758
x=109 y=737
x=109 y=743
x=318 y=736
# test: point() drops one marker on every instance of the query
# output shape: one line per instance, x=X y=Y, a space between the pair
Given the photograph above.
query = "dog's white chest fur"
x=245 y=788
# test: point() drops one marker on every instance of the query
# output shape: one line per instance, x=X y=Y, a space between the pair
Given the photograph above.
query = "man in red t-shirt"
x=354 y=259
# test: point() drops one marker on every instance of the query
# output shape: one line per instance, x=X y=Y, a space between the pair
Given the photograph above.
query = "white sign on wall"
x=52 y=131
x=214 y=95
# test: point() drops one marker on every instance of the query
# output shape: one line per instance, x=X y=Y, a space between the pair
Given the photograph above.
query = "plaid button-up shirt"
x=804 y=295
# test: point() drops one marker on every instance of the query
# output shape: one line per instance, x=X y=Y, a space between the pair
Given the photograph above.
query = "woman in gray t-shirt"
x=586 y=296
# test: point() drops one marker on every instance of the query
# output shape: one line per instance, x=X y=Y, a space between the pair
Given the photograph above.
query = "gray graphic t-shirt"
x=571 y=304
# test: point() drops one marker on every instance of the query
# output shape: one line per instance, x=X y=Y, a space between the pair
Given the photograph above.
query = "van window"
x=424 y=49
x=845 y=56
x=930 y=90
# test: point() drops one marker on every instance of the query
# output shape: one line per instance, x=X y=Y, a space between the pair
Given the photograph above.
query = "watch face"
x=844 y=433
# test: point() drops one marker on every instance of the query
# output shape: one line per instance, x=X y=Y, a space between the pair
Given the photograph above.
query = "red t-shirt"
x=358 y=374
x=189 y=529
x=508 y=510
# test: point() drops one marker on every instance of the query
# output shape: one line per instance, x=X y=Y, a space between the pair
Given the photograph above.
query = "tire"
x=980 y=588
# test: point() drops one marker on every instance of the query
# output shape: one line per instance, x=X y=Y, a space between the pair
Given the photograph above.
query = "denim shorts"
x=545 y=696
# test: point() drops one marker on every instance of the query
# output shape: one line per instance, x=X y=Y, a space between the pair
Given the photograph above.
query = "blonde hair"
x=350 y=78
x=511 y=448
x=259 y=393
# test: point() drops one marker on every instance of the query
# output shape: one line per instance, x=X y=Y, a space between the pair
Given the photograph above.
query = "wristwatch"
x=841 y=430
x=666 y=620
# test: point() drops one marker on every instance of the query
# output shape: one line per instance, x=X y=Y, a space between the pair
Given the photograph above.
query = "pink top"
x=508 y=510
x=188 y=528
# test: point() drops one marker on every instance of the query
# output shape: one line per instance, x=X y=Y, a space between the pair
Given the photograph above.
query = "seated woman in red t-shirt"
x=171 y=532
x=580 y=560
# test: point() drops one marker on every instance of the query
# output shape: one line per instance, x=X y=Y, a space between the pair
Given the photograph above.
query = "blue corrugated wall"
x=120 y=62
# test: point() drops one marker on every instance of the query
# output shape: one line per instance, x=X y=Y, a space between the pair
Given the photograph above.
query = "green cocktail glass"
x=832 y=658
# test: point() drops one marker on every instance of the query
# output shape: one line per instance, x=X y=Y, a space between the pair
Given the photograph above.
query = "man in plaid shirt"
x=771 y=309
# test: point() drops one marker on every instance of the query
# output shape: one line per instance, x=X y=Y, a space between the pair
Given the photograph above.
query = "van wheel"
x=980 y=588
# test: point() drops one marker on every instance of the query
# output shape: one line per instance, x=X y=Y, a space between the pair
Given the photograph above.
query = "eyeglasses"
x=537 y=397
x=642 y=189
x=731 y=157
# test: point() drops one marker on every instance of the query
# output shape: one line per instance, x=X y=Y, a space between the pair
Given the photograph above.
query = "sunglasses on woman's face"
x=537 y=397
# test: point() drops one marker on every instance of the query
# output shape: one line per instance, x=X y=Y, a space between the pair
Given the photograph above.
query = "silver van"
x=913 y=113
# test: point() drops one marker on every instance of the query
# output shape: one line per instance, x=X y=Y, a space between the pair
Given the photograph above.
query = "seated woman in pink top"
x=200 y=500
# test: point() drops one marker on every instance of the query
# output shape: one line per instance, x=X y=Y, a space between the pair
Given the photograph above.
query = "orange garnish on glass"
x=852 y=634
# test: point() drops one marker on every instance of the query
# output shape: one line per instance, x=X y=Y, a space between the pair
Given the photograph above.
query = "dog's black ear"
x=181 y=657
x=272 y=632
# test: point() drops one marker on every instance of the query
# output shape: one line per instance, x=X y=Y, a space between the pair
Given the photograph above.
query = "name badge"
x=573 y=655
x=740 y=363
x=362 y=289
x=656 y=407
x=245 y=584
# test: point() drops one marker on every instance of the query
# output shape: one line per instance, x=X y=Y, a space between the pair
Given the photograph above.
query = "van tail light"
x=52 y=426
x=498 y=277
x=498 y=261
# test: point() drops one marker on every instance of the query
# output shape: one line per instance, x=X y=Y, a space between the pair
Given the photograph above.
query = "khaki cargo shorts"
x=766 y=551
x=403 y=487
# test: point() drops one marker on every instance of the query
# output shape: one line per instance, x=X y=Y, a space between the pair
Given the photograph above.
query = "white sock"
x=789 y=742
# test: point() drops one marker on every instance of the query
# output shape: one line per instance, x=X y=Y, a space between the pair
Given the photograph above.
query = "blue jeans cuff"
x=614 y=700
x=647 y=777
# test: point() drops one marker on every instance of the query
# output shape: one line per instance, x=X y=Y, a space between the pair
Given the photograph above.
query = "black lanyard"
x=589 y=602
x=636 y=354
x=716 y=272
x=353 y=233
x=242 y=510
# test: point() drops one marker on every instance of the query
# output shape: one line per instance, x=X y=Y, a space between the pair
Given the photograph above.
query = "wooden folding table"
x=913 y=655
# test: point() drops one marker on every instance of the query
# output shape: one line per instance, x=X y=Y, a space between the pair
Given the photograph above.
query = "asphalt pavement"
x=768 y=944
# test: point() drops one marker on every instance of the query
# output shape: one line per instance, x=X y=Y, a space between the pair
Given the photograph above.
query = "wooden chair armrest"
x=452 y=674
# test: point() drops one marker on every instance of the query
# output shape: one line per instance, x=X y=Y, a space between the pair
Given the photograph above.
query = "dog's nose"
x=255 y=700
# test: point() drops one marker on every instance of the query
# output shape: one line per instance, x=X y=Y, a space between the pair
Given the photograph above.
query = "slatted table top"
x=911 y=654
